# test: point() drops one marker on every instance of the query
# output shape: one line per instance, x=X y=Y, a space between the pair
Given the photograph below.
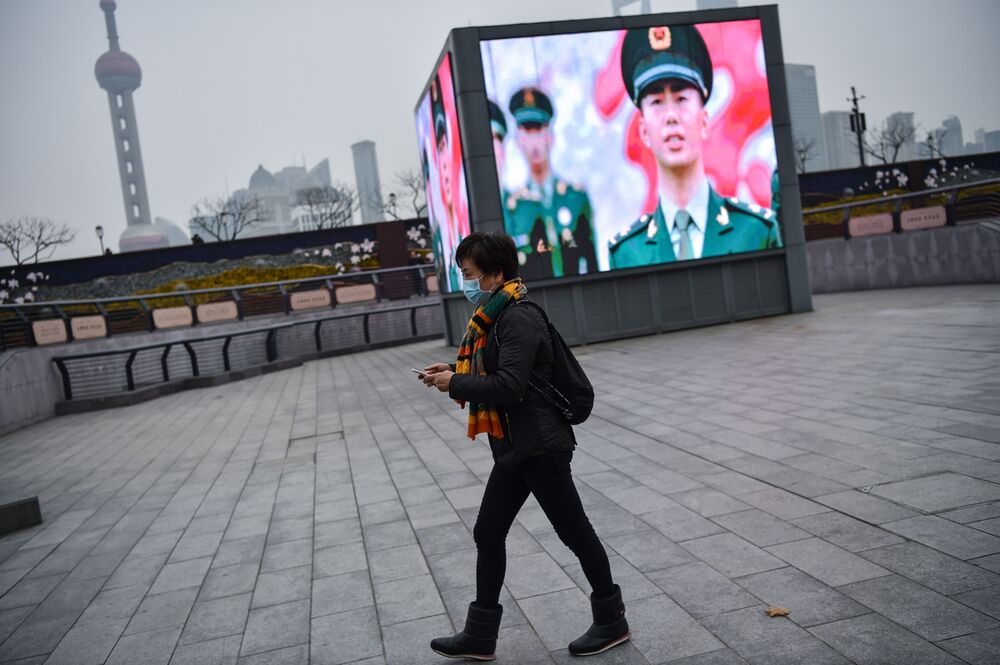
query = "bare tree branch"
x=885 y=141
x=227 y=218
x=805 y=149
x=410 y=184
x=29 y=238
x=328 y=207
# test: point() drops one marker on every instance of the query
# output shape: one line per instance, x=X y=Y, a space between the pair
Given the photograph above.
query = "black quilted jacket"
x=517 y=345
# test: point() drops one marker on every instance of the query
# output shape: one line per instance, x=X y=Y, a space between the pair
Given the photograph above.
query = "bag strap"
x=562 y=404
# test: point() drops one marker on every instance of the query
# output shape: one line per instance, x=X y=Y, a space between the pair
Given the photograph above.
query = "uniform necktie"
x=682 y=220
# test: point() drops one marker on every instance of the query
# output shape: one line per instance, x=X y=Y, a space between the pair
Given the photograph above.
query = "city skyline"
x=213 y=106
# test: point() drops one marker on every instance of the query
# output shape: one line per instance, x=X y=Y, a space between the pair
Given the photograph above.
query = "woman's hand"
x=440 y=380
x=437 y=368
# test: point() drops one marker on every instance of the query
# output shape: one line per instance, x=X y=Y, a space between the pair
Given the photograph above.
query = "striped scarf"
x=471 y=354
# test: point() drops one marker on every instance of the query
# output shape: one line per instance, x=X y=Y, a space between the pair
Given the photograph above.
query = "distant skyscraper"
x=369 y=187
x=991 y=141
x=716 y=4
x=902 y=121
x=841 y=142
x=279 y=195
x=119 y=74
x=803 y=104
x=952 y=142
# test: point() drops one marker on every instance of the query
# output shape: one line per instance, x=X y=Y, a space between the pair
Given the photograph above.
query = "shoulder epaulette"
x=761 y=213
x=636 y=226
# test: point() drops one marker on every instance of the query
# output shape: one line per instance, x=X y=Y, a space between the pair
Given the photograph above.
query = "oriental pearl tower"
x=119 y=74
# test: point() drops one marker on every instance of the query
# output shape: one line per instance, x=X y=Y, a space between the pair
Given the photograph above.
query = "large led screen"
x=444 y=176
x=636 y=147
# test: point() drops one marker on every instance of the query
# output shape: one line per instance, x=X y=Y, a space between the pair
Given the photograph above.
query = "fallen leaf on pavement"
x=778 y=611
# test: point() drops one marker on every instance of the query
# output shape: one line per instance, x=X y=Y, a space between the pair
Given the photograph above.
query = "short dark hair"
x=490 y=252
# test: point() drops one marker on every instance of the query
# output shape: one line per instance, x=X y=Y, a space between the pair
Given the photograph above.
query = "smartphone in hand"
x=419 y=372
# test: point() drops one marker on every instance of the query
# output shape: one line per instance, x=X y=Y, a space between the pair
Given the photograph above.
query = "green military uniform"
x=663 y=53
x=555 y=214
x=731 y=226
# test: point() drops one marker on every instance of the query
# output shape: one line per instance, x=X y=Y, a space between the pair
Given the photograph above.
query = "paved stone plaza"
x=844 y=464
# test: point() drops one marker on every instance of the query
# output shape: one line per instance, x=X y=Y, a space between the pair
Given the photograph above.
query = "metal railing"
x=114 y=371
x=950 y=204
x=125 y=314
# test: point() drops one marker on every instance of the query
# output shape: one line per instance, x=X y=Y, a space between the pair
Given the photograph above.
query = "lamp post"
x=222 y=222
x=392 y=205
x=99 y=230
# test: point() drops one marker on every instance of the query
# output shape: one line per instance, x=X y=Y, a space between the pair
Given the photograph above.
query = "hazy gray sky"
x=230 y=84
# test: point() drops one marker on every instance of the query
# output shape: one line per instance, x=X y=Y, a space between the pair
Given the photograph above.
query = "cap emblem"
x=659 y=38
x=529 y=97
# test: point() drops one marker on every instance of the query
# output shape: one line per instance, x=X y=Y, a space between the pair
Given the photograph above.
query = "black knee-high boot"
x=609 y=628
x=479 y=639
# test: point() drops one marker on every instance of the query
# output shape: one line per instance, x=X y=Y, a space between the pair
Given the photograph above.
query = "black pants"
x=548 y=477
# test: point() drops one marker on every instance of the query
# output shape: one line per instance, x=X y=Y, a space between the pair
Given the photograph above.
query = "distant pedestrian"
x=507 y=342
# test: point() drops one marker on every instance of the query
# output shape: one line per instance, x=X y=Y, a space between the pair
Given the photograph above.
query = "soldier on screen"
x=668 y=75
x=447 y=228
x=549 y=219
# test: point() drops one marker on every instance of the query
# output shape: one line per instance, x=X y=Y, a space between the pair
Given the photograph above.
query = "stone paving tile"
x=282 y=586
x=345 y=637
x=847 y=532
x=397 y=563
x=782 y=504
x=295 y=553
x=534 y=574
x=935 y=570
x=229 y=580
x=874 y=640
x=340 y=593
x=453 y=569
x=221 y=651
x=406 y=642
x=708 y=502
x=866 y=507
x=163 y=610
x=36 y=636
x=88 y=644
x=444 y=538
x=731 y=555
x=212 y=619
x=760 y=528
x=152 y=648
x=678 y=523
x=940 y=492
x=761 y=639
x=276 y=626
x=239 y=550
x=986 y=601
x=941 y=534
x=827 y=562
x=407 y=599
x=924 y=612
x=700 y=590
x=811 y=602
x=979 y=648
x=287 y=656
x=649 y=550
x=720 y=657
x=69 y=596
x=181 y=575
x=11 y=619
x=30 y=591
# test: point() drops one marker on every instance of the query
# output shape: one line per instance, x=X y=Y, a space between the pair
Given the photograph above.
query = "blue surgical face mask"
x=472 y=291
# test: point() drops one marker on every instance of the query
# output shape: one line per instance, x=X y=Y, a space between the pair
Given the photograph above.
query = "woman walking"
x=507 y=342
